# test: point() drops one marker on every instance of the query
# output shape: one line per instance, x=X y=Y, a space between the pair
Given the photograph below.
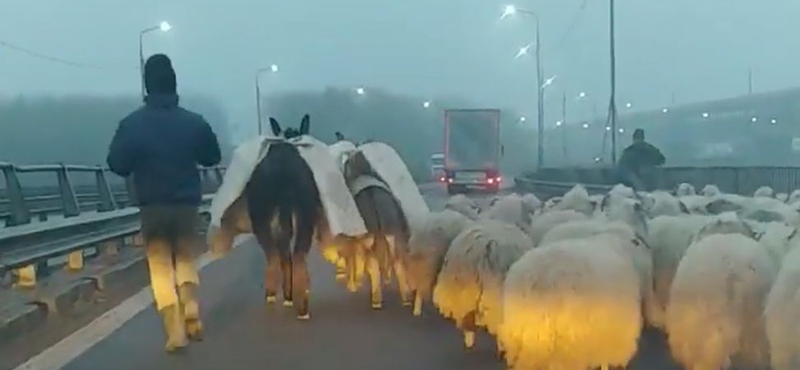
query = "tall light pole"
x=163 y=27
x=274 y=69
x=612 y=105
x=512 y=10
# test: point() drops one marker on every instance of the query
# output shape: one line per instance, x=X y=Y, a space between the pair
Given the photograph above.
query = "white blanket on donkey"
x=391 y=168
x=339 y=150
x=341 y=213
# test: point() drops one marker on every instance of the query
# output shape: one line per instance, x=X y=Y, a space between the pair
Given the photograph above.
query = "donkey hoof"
x=469 y=340
x=271 y=298
x=288 y=303
x=305 y=317
x=377 y=306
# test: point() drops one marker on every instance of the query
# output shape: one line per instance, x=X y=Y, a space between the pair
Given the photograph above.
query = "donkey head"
x=290 y=132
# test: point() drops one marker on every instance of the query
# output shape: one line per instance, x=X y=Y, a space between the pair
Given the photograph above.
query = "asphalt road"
x=242 y=332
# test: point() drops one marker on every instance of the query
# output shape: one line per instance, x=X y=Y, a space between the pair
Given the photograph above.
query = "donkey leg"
x=272 y=275
x=286 y=268
x=469 y=327
x=398 y=261
x=417 y=303
x=300 y=285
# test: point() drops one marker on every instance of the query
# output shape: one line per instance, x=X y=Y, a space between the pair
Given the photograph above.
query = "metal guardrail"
x=737 y=180
x=26 y=246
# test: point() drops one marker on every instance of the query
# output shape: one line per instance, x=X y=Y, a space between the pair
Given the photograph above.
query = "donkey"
x=284 y=205
x=385 y=222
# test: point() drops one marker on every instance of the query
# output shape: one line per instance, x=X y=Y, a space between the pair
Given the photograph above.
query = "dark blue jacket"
x=161 y=144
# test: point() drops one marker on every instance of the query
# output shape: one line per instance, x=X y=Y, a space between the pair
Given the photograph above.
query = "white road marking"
x=77 y=343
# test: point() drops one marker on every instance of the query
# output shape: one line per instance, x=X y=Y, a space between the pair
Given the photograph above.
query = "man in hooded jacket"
x=161 y=145
x=634 y=168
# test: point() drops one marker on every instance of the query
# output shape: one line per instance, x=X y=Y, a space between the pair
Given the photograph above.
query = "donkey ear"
x=276 y=127
x=305 y=125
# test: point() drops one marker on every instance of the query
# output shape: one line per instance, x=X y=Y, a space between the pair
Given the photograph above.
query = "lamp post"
x=274 y=69
x=163 y=27
x=612 y=105
x=512 y=10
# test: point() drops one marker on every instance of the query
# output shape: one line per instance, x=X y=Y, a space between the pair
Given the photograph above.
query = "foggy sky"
x=698 y=49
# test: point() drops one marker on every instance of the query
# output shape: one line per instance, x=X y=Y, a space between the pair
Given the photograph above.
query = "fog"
x=426 y=49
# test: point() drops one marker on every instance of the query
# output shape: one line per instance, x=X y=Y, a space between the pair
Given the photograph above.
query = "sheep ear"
x=604 y=202
x=683 y=207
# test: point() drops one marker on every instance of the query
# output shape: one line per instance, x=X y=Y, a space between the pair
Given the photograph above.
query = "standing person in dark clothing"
x=161 y=144
x=637 y=161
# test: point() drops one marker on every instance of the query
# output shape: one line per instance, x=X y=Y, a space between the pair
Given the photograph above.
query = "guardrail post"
x=20 y=214
x=132 y=199
x=75 y=261
x=107 y=202
x=70 y=201
x=26 y=277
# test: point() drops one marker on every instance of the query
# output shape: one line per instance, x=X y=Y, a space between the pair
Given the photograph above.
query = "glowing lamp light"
x=165 y=26
x=585 y=125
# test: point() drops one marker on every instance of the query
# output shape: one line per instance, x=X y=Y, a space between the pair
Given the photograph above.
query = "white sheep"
x=668 y=238
x=781 y=313
x=783 y=197
x=463 y=205
x=710 y=191
x=573 y=304
x=794 y=197
x=684 y=190
x=469 y=286
x=696 y=204
x=546 y=221
x=512 y=209
x=664 y=204
x=532 y=201
x=623 y=191
x=577 y=199
x=427 y=248
x=714 y=316
x=764 y=192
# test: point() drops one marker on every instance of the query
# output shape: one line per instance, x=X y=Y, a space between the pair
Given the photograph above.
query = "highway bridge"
x=74 y=293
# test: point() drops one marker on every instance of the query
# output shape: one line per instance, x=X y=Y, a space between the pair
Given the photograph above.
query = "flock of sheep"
x=570 y=283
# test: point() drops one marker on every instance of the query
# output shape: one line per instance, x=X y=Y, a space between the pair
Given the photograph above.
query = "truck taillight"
x=442 y=179
x=490 y=180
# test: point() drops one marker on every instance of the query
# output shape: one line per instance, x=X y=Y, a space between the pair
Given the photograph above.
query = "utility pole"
x=564 y=126
x=612 y=106
x=540 y=96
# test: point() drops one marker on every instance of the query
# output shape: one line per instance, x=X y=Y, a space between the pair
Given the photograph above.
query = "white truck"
x=472 y=150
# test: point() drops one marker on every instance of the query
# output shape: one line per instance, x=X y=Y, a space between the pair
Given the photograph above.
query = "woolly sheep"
x=781 y=312
x=695 y=204
x=546 y=221
x=710 y=191
x=763 y=192
x=511 y=209
x=664 y=204
x=427 y=248
x=572 y=304
x=623 y=191
x=685 y=190
x=463 y=205
x=794 y=197
x=532 y=202
x=577 y=199
x=714 y=316
x=469 y=285
x=783 y=197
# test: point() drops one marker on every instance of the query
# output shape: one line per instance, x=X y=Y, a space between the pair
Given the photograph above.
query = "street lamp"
x=426 y=104
x=274 y=69
x=511 y=10
x=163 y=27
x=360 y=91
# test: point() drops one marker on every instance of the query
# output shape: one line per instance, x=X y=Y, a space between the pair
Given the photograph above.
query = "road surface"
x=242 y=332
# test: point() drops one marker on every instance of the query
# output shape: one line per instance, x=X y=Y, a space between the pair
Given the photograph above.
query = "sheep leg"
x=418 y=304
x=374 y=271
x=469 y=327
x=399 y=271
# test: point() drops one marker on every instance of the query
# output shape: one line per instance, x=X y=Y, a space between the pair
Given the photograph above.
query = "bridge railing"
x=737 y=180
x=96 y=217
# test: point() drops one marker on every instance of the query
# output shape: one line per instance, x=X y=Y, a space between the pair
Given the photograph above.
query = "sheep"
x=710 y=191
x=469 y=285
x=532 y=202
x=546 y=221
x=669 y=237
x=577 y=199
x=783 y=197
x=573 y=304
x=696 y=204
x=794 y=197
x=781 y=311
x=685 y=190
x=427 y=248
x=664 y=204
x=463 y=205
x=714 y=316
x=512 y=209
x=623 y=191
x=764 y=192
